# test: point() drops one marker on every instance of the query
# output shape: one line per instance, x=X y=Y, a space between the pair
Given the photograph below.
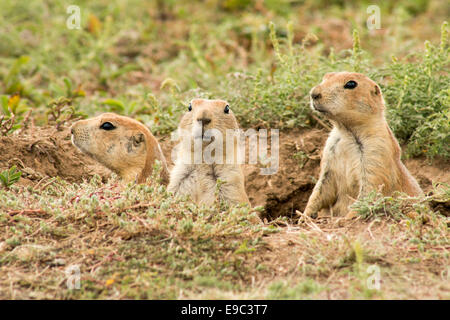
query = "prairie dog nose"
x=204 y=116
x=204 y=120
x=76 y=126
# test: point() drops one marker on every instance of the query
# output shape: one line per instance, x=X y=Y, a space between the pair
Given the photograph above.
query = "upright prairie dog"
x=361 y=153
x=205 y=123
x=123 y=145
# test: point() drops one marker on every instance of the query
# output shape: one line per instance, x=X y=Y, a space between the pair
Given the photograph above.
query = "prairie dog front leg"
x=324 y=194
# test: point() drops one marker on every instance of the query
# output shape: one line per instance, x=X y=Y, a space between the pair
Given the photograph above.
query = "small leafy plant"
x=9 y=177
x=418 y=99
x=61 y=110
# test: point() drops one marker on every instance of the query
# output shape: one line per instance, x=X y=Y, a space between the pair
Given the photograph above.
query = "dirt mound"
x=47 y=152
x=43 y=152
x=288 y=190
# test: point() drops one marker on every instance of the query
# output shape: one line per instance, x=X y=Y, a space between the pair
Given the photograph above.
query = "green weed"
x=9 y=177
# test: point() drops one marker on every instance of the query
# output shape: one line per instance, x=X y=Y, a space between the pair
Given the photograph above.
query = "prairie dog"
x=361 y=153
x=122 y=144
x=199 y=178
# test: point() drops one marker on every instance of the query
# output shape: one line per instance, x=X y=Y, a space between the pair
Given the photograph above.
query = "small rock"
x=58 y=262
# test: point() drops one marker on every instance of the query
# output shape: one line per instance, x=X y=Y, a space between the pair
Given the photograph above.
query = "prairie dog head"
x=204 y=116
x=348 y=97
x=119 y=143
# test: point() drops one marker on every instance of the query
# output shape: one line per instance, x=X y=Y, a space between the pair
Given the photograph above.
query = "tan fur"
x=130 y=149
x=200 y=180
x=361 y=153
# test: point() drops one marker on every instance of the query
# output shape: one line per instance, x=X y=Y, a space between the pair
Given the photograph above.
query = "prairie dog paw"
x=311 y=214
x=351 y=215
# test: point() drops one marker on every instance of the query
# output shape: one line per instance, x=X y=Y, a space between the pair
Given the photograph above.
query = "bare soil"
x=45 y=152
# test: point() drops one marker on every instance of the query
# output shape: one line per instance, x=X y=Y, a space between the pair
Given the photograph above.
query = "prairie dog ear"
x=138 y=139
x=376 y=91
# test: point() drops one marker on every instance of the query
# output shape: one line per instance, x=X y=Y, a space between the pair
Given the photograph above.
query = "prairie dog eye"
x=350 y=85
x=190 y=107
x=227 y=109
x=107 y=126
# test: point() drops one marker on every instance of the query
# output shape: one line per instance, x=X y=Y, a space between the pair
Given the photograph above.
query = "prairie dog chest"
x=199 y=181
x=343 y=158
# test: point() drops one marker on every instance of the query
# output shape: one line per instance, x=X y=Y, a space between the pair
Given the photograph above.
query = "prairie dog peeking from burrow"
x=123 y=145
x=361 y=153
x=205 y=124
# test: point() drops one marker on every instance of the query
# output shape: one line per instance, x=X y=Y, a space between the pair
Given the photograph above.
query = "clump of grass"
x=143 y=227
x=397 y=206
x=424 y=225
x=418 y=98
x=278 y=92
x=307 y=289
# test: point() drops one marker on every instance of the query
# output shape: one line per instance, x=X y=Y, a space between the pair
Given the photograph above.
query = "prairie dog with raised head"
x=361 y=153
x=199 y=179
x=123 y=145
